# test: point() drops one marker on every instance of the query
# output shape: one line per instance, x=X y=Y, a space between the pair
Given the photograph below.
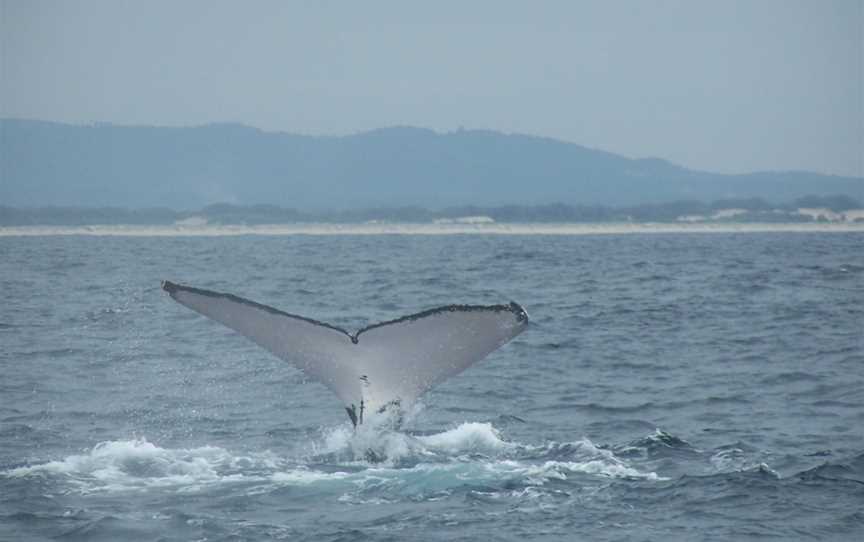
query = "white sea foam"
x=437 y=478
x=130 y=464
x=467 y=438
x=737 y=460
x=304 y=476
x=392 y=446
x=451 y=458
x=469 y=454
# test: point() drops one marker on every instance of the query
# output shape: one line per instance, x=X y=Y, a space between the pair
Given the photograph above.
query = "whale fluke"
x=381 y=365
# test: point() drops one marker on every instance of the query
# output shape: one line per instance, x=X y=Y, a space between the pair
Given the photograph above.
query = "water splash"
x=468 y=455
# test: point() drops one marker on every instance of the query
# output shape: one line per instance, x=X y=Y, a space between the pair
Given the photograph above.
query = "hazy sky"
x=724 y=85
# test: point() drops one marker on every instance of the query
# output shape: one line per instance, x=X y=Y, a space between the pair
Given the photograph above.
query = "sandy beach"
x=425 y=229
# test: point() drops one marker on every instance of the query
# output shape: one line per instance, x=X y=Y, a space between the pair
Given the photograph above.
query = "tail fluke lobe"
x=386 y=363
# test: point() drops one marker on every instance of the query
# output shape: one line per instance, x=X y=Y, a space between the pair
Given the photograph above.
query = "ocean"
x=670 y=386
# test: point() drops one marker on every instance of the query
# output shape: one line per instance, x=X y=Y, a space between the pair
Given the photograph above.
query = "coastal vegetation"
x=811 y=208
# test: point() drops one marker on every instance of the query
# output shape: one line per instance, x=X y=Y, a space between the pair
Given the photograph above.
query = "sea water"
x=670 y=386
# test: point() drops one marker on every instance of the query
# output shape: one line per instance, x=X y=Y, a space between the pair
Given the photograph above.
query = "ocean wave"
x=658 y=444
x=138 y=463
x=850 y=470
x=466 y=456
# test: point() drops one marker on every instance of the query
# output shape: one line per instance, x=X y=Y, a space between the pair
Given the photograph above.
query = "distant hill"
x=45 y=163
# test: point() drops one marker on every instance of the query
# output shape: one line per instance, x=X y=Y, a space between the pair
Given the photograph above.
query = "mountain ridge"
x=49 y=163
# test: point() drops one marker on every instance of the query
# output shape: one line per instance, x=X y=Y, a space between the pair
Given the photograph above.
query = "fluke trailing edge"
x=382 y=365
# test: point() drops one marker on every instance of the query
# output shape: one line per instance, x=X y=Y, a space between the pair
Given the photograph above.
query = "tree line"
x=756 y=210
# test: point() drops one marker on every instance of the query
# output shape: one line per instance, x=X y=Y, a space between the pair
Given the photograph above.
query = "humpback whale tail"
x=381 y=367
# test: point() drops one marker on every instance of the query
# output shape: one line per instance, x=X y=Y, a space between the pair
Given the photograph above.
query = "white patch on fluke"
x=388 y=363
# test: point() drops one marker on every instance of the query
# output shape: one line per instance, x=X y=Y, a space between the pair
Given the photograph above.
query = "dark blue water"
x=671 y=386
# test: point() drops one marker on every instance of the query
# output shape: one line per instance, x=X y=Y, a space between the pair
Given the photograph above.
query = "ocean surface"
x=671 y=386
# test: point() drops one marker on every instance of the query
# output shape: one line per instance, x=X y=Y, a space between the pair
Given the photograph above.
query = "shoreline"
x=425 y=229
